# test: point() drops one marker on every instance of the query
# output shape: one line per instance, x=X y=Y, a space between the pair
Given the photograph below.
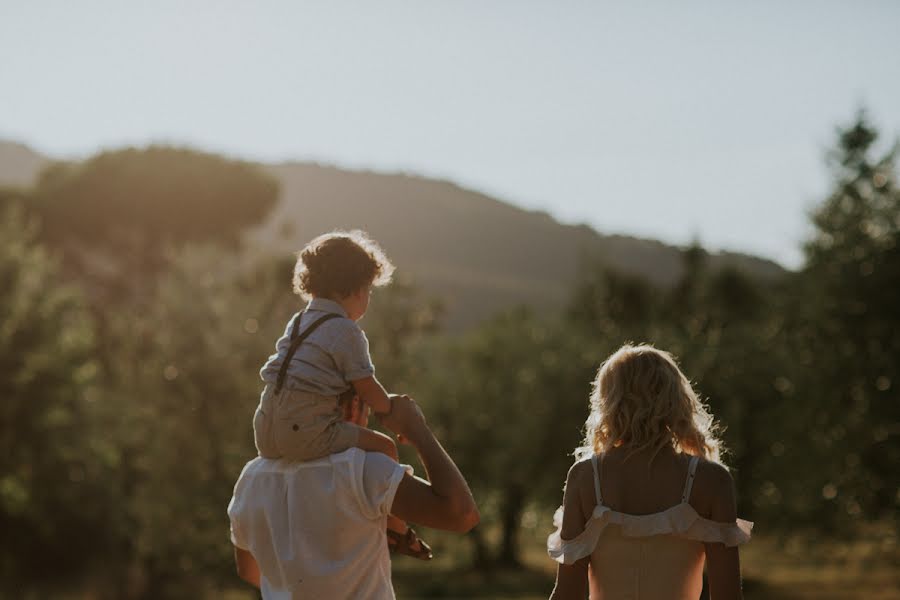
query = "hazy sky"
x=670 y=120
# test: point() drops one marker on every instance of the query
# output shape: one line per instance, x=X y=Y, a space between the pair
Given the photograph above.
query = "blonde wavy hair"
x=641 y=400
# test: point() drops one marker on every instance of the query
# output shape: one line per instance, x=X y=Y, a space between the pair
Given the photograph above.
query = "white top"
x=329 y=359
x=317 y=528
x=658 y=556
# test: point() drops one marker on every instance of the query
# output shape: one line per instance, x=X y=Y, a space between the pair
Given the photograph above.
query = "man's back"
x=317 y=529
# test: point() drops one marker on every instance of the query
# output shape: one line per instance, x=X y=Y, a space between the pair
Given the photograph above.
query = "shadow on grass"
x=419 y=583
x=521 y=583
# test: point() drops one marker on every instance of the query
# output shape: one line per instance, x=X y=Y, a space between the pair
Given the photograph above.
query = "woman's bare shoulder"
x=716 y=475
x=580 y=473
x=714 y=490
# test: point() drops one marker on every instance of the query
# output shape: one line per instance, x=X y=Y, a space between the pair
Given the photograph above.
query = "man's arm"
x=247 y=568
x=445 y=502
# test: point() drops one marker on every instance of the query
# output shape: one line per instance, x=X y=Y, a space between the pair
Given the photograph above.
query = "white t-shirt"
x=317 y=529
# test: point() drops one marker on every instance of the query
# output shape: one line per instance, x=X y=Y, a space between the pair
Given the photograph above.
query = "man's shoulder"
x=355 y=456
x=353 y=462
x=363 y=461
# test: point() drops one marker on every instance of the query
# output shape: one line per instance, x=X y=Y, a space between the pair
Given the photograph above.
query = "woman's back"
x=641 y=514
x=646 y=523
x=649 y=566
x=639 y=484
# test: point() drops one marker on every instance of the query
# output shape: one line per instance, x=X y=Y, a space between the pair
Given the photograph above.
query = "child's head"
x=339 y=265
x=642 y=400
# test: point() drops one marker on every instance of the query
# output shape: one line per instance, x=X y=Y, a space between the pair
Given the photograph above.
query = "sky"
x=669 y=120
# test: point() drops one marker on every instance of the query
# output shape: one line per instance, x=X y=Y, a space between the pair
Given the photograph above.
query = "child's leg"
x=263 y=417
x=375 y=441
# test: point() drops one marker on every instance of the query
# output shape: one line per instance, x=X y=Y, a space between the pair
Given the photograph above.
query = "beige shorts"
x=300 y=425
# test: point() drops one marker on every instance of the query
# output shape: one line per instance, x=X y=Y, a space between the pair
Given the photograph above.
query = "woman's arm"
x=723 y=564
x=572 y=580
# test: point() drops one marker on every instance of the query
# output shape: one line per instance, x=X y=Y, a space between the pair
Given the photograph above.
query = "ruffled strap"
x=568 y=551
x=680 y=521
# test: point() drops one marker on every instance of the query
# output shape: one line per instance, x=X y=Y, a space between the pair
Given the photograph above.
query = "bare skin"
x=638 y=487
x=444 y=502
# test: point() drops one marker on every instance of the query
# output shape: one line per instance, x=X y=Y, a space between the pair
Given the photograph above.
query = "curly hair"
x=340 y=263
x=641 y=400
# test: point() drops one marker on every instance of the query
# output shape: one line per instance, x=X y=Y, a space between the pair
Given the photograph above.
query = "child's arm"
x=372 y=393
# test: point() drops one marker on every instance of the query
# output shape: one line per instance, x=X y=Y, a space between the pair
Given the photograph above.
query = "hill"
x=19 y=164
x=477 y=254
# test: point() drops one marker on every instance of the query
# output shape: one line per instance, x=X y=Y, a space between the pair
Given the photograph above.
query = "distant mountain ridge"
x=479 y=255
x=19 y=164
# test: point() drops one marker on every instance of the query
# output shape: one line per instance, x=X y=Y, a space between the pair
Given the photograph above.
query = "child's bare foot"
x=409 y=544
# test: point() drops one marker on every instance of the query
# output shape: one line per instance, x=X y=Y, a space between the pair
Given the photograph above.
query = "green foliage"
x=166 y=194
x=504 y=399
x=851 y=284
x=184 y=378
x=114 y=216
x=398 y=320
x=53 y=502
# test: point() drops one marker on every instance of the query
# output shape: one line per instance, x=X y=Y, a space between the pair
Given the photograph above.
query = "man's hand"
x=405 y=419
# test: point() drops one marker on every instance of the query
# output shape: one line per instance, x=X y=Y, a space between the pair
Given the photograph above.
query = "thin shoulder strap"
x=295 y=343
x=595 y=462
x=689 y=482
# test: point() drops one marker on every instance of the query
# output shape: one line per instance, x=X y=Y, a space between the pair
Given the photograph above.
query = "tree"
x=115 y=215
x=166 y=194
x=184 y=377
x=54 y=461
x=850 y=315
x=508 y=401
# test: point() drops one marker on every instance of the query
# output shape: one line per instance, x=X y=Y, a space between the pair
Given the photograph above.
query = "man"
x=317 y=529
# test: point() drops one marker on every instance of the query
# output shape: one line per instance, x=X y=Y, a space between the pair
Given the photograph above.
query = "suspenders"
x=296 y=341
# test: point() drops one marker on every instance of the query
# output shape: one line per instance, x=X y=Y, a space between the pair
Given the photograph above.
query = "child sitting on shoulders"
x=323 y=355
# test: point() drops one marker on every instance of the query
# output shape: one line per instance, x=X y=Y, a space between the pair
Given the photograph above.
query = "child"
x=324 y=354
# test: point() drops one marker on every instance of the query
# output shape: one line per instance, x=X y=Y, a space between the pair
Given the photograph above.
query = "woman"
x=648 y=500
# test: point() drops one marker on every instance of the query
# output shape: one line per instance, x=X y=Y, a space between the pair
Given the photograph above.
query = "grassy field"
x=793 y=570
x=796 y=570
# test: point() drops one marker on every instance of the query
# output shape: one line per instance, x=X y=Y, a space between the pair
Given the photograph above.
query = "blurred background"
x=551 y=180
